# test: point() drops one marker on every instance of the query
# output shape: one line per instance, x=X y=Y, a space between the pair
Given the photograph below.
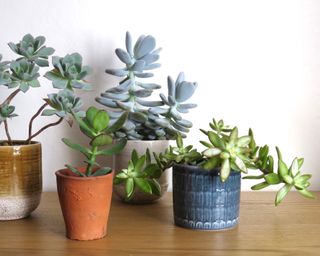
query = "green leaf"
x=294 y=168
x=282 y=193
x=84 y=127
x=253 y=177
x=211 y=152
x=211 y=163
x=306 y=193
x=215 y=140
x=100 y=121
x=75 y=171
x=91 y=113
x=300 y=162
x=206 y=144
x=155 y=187
x=118 y=124
x=148 y=157
x=225 y=170
x=102 y=171
x=117 y=181
x=241 y=165
x=129 y=187
x=260 y=186
x=243 y=141
x=282 y=168
x=272 y=178
x=49 y=112
x=153 y=171
x=179 y=141
x=143 y=185
x=139 y=165
x=87 y=152
x=134 y=157
x=122 y=175
x=115 y=149
x=101 y=140
x=234 y=135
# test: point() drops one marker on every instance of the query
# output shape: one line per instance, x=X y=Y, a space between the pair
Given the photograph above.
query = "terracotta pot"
x=21 y=179
x=85 y=204
x=120 y=161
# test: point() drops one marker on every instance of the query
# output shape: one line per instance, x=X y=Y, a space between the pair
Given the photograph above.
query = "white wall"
x=257 y=64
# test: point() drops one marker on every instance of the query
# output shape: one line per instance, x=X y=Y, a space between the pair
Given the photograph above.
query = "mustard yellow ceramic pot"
x=20 y=179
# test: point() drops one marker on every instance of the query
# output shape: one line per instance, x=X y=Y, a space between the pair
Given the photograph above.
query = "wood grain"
x=293 y=228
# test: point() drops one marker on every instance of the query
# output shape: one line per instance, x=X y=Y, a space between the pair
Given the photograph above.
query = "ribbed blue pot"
x=202 y=201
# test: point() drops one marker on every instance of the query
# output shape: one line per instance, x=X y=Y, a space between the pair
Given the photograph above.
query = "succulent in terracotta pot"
x=85 y=192
x=151 y=123
x=206 y=185
x=22 y=76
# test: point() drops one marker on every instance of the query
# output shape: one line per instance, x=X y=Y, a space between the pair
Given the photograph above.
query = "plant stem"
x=7 y=132
x=92 y=160
x=34 y=117
x=44 y=128
x=10 y=97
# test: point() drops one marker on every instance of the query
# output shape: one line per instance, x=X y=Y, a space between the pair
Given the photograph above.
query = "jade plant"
x=23 y=73
x=141 y=174
x=147 y=120
x=95 y=125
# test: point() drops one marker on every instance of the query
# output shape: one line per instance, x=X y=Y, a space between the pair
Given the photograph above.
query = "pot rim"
x=148 y=140
x=200 y=170
x=61 y=175
x=33 y=143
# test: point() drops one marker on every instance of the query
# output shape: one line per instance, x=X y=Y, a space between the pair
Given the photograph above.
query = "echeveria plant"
x=24 y=73
x=147 y=120
x=95 y=125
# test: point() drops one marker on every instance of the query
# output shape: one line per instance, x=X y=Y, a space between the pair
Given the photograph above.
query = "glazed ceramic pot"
x=21 y=179
x=85 y=204
x=120 y=161
x=202 y=201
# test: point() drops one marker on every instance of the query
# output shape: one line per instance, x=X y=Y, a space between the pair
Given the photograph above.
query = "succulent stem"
x=7 y=132
x=44 y=128
x=33 y=118
x=92 y=161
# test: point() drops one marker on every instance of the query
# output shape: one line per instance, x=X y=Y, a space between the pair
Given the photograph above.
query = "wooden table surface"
x=293 y=228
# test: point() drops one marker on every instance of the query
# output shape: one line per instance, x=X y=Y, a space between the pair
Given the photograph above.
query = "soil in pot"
x=85 y=204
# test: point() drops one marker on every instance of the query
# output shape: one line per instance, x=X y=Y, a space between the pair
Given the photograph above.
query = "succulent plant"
x=141 y=174
x=33 y=50
x=23 y=73
x=146 y=120
x=6 y=112
x=68 y=72
x=63 y=104
x=95 y=125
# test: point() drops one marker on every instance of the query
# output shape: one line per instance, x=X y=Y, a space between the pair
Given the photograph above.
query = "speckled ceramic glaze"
x=202 y=201
x=121 y=160
x=21 y=180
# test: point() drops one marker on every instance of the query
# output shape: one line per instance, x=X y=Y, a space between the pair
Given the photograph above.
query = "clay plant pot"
x=21 y=179
x=85 y=204
x=120 y=161
x=202 y=201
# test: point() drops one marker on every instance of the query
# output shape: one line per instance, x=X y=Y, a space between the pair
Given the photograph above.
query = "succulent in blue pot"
x=150 y=123
x=22 y=76
x=206 y=185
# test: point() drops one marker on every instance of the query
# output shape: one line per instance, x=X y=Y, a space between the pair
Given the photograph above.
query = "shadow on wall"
x=101 y=82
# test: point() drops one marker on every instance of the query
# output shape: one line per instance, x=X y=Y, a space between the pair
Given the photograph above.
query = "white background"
x=257 y=64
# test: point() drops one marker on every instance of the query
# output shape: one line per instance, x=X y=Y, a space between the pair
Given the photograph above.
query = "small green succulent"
x=24 y=75
x=6 y=112
x=147 y=120
x=63 y=104
x=95 y=125
x=68 y=72
x=4 y=74
x=33 y=50
x=141 y=173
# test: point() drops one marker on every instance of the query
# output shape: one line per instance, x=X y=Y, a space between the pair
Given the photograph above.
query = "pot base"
x=212 y=226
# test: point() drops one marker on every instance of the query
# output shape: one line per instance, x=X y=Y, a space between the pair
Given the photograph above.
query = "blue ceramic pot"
x=202 y=201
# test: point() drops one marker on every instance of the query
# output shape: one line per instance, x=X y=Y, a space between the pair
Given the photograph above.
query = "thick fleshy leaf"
x=129 y=187
x=143 y=185
x=144 y=46
x=129 y=43
x=225 y=170
x=101 y=140
x=282 y=193
x=272 y=178
x=115 y=149
x=124 y=56
x=184 y=91
x=102 y=171
x=211 y=152
x=77 y=147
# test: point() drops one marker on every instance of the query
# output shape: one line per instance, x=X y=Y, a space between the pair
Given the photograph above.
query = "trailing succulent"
x=228 y=151
x=95 y=125
x=141 y=174
x=147 y=120
x=23 y=73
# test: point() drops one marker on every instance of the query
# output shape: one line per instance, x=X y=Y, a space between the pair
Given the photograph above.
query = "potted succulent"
x=85 y=192
x=20 y=161
x=206 y=185
x=150 y=124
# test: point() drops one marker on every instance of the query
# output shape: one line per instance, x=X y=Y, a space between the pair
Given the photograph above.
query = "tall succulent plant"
x=147 y=119
x=23 y=73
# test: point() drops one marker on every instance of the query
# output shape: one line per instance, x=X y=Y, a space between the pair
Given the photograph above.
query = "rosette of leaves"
x=131 y=95
x=4 y=74
x=95 y=125
x=64 y=104
x=24 y=74
x=6 y=112
x=140 y=174
x=68 y=72
x=33 y=50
